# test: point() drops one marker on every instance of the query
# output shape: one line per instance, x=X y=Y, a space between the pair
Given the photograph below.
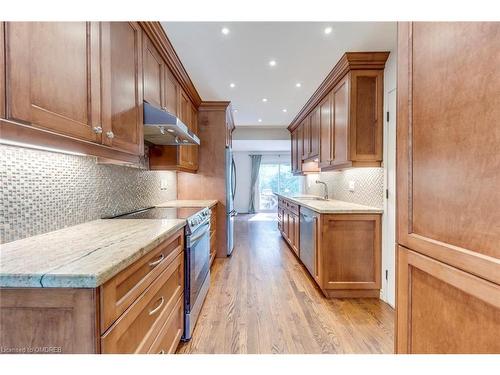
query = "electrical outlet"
x=163 y=184
x=351 y=186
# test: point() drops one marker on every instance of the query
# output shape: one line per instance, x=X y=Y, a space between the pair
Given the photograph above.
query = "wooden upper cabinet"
x=122 y=86
x=171 y=93
x=194 y=129
x=306 y=138
x=53 y=76
x=294 y=151
x=340 y=124
x=154 y=72
x=185 y=114
x=314 y=133
x=326 y=132
x=343 y=121
x=366 y=115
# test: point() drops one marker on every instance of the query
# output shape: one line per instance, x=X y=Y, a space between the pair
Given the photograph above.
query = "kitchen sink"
x=308 y=198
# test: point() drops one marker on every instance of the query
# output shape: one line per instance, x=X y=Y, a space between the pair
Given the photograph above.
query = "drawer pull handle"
x=156 y=262
x=151 y=312
x=161 y=352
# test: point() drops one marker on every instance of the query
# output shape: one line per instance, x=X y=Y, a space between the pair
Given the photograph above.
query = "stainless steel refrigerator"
x=230 y=192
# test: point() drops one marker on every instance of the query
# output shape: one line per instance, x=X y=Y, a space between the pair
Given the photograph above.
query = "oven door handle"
x=195 y=239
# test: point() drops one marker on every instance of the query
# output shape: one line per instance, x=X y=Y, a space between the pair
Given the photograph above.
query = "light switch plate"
x=351 y=186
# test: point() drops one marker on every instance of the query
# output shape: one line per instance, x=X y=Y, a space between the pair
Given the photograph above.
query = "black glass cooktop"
x=161 y=213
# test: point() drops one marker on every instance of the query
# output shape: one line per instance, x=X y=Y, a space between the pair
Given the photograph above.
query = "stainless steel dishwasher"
x=308 y=223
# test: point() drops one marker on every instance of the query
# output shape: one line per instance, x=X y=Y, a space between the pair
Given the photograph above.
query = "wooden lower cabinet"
x=349 y=254
x=288 y=223
x=346 y=252
x=442 y=309
x=140 y=310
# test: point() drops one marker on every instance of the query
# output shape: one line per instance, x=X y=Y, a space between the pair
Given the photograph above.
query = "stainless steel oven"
x=196 y=255
x=197 y=275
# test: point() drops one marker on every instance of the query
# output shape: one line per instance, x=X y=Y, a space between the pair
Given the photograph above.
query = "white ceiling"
x=303 y=52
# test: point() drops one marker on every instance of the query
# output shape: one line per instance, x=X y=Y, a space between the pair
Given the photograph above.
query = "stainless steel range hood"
x=163 y=128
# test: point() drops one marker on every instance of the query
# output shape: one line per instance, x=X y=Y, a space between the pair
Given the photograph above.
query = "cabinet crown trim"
x=349 y=61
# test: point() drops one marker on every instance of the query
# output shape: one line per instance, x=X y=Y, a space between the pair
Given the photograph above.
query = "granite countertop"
x=188 y=203
x=332 y=206
x=82 y=256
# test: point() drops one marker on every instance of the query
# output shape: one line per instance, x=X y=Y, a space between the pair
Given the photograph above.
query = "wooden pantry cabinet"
x=448 y=254
x=139 y=310
x=341 y=124
x=64 y=86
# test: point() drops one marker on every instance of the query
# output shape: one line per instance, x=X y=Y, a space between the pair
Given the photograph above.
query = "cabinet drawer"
x=136 y=329
x=170 y=334
x=293 y=207
x=122 y=290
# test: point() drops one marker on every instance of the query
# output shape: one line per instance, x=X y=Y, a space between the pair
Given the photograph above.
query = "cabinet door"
x=442 y=309
x=185 y=116
x=171 y=93
x=306 y=139
x=314 y=133
x=294 y=151
x=153 y=74
x=341 y=123
x=366 y=106
x=351 y=251
x=327 y=138
x=193 y=156
x=450 y=142
x=296 y=230
x=122 y=86
x=53 y=76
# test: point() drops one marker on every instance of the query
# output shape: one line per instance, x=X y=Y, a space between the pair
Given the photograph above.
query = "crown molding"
x=159 y=38
x=349 y=61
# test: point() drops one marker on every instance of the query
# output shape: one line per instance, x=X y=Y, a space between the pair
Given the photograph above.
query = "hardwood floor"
x=261 y=300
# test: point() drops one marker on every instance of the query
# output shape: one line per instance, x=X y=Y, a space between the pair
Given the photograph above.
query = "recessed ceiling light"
x=328 y=30
x=264 y=100
x=298 y=84
x=232 y=85
x=259 y=120
x=272 y=63
x=225 y=30
x=284 y=110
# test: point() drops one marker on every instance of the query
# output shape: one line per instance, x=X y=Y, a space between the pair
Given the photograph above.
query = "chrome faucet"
x=325 y=197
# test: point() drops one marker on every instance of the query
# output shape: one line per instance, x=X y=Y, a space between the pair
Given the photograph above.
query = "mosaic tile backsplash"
x=43 y=191
x=368 y=185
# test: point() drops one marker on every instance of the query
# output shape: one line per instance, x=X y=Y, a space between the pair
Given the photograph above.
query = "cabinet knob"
x=97 y=129
x=110 y=135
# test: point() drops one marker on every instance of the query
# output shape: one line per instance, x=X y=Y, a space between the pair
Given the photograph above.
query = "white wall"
x=243 y=168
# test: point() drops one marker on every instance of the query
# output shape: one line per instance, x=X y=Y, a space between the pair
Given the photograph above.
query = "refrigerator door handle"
x=233 y=176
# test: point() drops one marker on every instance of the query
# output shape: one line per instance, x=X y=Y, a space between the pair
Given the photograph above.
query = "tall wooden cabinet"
x=342 y=122
x=448 y=258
